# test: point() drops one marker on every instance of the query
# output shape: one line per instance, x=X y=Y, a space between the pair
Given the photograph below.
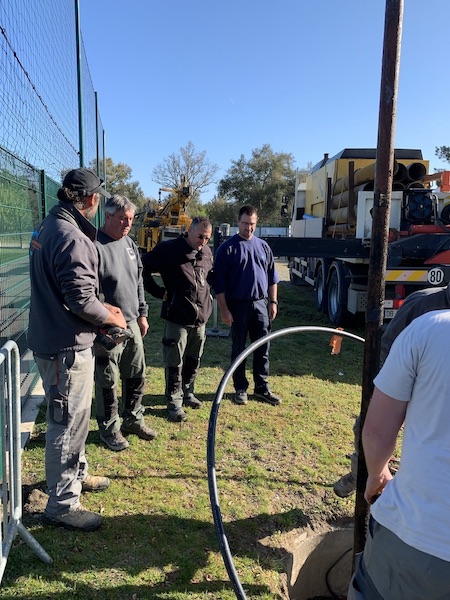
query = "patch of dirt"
x=284 y=545
x=34 y=500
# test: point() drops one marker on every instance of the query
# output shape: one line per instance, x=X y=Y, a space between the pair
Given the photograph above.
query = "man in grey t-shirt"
x=416 y=304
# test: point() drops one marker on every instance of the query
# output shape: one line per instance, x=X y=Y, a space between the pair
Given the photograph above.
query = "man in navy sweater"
x=246 y=286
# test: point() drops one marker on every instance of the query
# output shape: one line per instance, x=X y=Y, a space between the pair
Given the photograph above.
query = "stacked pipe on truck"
x=332 y=223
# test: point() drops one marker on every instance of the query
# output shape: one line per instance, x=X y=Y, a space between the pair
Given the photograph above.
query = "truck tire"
x=337 y=295
x=320 y=288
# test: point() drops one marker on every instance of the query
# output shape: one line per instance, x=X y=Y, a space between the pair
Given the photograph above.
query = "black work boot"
x=140 y=429
x=192 y=402
x=176 y=415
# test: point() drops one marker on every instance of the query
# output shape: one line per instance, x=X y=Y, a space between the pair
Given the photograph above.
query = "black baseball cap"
x=85 y=182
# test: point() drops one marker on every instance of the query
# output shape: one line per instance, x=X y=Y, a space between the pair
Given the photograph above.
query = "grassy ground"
x=275 y=470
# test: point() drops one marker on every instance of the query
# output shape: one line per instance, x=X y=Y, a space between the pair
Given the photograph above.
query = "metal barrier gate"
x=10 y=459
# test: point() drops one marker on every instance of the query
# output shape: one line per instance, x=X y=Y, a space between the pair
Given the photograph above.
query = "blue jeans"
x=67 y=379
x=252 y=319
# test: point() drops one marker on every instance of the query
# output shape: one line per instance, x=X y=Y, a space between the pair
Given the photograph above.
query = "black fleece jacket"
x=186 y=293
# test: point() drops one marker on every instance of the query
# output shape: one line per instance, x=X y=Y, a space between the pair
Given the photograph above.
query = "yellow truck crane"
x=166 y=221
x=332 y=223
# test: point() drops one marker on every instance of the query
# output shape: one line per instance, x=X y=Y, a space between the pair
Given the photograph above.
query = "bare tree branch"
x=193 y=164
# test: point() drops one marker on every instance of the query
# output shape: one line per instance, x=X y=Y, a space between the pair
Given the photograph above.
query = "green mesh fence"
x=39 y=141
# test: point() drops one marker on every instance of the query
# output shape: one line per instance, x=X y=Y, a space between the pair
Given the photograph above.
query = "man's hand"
x=384 y=418
x=115 y=317
x=143 y=325
x=375 y=485
x=226 y=316
x=273 y=311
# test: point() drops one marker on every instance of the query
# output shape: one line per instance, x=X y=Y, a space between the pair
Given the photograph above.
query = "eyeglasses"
x=203 y=237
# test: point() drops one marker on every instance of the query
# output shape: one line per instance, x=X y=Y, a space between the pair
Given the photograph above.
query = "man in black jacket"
x=184 y=264
x=65 y=315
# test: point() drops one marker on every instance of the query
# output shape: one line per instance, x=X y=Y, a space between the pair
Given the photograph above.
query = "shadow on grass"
x=175 y=549
x=156 y=407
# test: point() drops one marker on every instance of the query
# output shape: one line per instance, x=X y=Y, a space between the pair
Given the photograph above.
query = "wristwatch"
x=273 y=302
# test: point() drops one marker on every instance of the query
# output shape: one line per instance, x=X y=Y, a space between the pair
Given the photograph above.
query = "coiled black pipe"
x=211 y=440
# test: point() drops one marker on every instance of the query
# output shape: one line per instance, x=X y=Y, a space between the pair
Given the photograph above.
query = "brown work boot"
x=93 y=483
x=345 y=486
x=192 y=402
x=177 y=415
x=76 y=519
x=140 y=429
x=115 y=441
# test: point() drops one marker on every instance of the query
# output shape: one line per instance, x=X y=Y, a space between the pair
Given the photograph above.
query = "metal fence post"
x=10 y=447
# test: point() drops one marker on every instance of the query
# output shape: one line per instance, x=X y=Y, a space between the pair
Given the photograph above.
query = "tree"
x=218 y=211
x=194 y=165
x=443 y=153
x=118 y=178
x=195 y=208
x=262 y=181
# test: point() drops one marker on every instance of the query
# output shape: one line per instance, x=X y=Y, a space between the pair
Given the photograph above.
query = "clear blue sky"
x=233 y=75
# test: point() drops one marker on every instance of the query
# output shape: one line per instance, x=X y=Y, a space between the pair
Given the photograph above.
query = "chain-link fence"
x=49 y=124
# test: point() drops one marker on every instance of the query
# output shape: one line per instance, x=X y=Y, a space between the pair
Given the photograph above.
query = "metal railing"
x=10 y=463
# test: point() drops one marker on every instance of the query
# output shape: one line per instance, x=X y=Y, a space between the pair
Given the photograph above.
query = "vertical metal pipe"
x=97 y=141
x=379 y=240
x=351 y=215
x=104 y=158
x=10 y=459
x=80 y=83
x=43 y=199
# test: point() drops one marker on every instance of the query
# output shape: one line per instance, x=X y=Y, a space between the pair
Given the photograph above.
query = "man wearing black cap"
x=65 y=314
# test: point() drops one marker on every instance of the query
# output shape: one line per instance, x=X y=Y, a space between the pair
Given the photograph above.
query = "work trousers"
x=389 y=569
x=67 y=378
x=252 y=319
x=125 y=362
x=182 y=351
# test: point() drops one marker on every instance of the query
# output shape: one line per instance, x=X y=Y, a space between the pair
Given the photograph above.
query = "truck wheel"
x=320 y=288
x=337 y=295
